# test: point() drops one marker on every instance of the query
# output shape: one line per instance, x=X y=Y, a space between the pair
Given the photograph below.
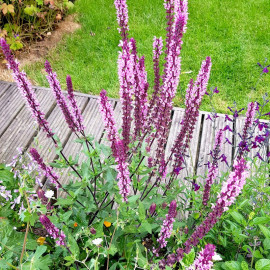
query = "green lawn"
x=235 y=33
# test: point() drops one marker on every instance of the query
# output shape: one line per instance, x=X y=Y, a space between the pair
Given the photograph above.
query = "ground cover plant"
x=25 y=21
x=130 y=207
x=234 y=33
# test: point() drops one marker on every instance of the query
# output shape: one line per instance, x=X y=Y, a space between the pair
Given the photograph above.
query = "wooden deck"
x=17 y=128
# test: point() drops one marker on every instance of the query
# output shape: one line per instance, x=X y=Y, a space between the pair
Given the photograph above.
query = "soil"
x=37 y=51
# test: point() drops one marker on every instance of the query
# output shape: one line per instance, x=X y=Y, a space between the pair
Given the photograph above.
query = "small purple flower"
x=227 y=118
x=177 y=170
x=216 y=90
x=196 y=186
x=265 y=70
x=227 y=141
x=259 y=139
x=262 y=125
x=227 y=127
x=259 y=156
x=209 y=117
x=224 y=159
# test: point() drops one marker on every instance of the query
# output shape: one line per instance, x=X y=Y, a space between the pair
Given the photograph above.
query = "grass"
x=235 y=33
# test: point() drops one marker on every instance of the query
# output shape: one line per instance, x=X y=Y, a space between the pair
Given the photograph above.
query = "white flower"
x=97 y=241
x=216 y=257
x=0 y=248
x=49 y=194
x=15 y=228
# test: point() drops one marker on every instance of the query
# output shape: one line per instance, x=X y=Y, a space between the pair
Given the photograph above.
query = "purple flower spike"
x=243 y=145
x=47 y=170
x=53 y=230
x=122 y=17
x=204 y=259
x=76 y=111
x=194 y=94
x=167 y=227
x=126 y=66
x=213 y=170
x=123 y=172
x=229 y=191
x=108 y=120
x=60 y=99
x=26 y=89
x=157 y=51
x=140 y=92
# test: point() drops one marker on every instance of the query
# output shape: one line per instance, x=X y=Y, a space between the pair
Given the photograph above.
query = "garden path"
x=17 y=128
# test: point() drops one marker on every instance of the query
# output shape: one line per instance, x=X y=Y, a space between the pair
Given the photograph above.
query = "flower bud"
x=152 y=208
x=92 y=230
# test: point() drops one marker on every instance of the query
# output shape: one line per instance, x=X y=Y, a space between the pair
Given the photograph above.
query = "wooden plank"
x=11 y=103
x=21 y=131
x=4 y=86
x=60 y=128
x=208 y=141
x=193 y=149
x=93 y=126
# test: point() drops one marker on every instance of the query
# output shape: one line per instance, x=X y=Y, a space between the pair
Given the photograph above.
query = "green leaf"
x=232 y=265
x=73 y=246
x=257 y=254
x=146 y=227
x=141 y=211
x=261 y=220
x=244 y=265
x=133 y=198
x=266 y=243
x=39 y=2
x=238 y=217
x=69 y=5
x=189 y=258
x=31 y=10
x=265 y=231
x=263 y=264
x=113 y=250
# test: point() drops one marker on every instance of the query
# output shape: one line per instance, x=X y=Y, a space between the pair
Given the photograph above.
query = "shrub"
x=129 y=208
x=22 y=21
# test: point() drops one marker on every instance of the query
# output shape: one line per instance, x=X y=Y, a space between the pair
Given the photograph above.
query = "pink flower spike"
x=26 y=89
x=108 y=120
x=60 y=99
x=75 y=109
x=47 y=170
x=204 y=260
x=122 y=17
x=167 y=227
x=53 y=230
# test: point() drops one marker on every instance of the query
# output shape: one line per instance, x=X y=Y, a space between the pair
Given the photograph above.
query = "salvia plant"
x=127 y=204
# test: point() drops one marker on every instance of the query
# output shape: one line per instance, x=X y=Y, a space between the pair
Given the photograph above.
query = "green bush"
x=24 y=21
